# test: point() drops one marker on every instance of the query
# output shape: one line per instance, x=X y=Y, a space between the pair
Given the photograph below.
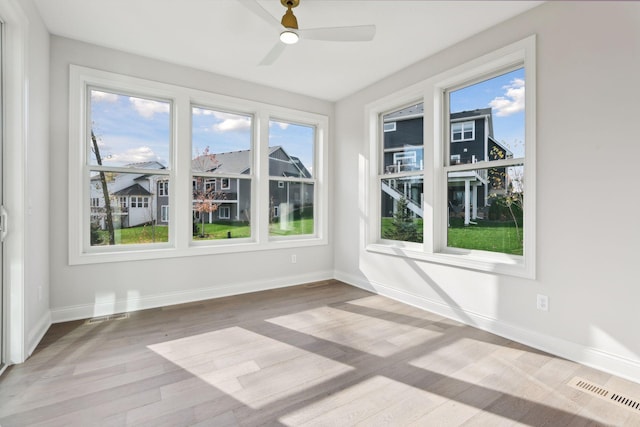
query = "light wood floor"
x=322 y=354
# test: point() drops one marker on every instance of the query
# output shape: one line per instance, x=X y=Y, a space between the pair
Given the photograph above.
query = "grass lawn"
x=223 y=230
x=490 y=236
x=135 y=235
x=295 y=227
x=216 y=231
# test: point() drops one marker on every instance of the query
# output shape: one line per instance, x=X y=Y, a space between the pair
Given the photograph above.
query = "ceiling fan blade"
x=255 y=7
x=273 y=54
x=362 y=33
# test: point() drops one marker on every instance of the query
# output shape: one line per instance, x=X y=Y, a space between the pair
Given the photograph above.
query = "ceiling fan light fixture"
x=289 y=36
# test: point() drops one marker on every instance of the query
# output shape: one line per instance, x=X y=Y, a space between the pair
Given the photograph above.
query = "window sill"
x=473 y=260
x=123 y=254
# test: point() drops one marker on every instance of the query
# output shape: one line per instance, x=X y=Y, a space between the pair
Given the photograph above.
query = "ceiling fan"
x=290 y=33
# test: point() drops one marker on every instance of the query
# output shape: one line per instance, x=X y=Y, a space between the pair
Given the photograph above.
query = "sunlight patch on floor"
x=252 y=368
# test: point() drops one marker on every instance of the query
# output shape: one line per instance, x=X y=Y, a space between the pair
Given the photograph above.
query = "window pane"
x=291 y=149
x=487 y=119
x=403 y=149
x=291 y=207
x=125 y=209
x=129 y=131
x=221 y=212
x=221 y=142
x=485 y=209
x=401 y=203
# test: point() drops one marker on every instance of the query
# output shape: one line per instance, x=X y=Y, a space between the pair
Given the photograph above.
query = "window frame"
x=317 y=176
x=436 y=164
x=83 y=79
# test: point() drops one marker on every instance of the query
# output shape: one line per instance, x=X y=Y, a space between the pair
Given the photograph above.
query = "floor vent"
x=101 y=319
x=603 y=393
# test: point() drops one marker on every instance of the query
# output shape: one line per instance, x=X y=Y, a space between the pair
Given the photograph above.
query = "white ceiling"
x=224 y=37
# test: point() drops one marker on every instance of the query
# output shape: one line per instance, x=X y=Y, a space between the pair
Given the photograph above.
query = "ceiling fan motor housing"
x=289 y=19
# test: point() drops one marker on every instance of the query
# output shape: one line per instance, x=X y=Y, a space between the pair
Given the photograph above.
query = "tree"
x=402 y=227
x=205 y=197
x=105 y=191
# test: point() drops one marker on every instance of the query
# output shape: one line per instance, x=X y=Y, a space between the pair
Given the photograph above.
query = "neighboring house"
x=471 y=140
x=233 y=195
x=132 y=197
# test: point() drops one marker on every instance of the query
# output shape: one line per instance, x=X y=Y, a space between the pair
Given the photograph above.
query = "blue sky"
x=505 y=95
x=132 y=129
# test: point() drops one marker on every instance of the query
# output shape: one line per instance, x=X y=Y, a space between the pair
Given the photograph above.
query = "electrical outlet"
x=542 y=302
x=294 y=259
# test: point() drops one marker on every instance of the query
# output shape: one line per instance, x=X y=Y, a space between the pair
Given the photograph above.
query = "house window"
x=210 y=185
x=224 y=212
x=463 y=131
x=163 y=188
x=95 y=202
x=479 y=205
x=292 y=161
x=126 y=137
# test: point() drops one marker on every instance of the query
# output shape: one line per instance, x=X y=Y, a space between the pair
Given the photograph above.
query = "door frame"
x=14 y=82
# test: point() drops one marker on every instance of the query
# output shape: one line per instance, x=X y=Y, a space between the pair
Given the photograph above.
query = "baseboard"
x=589 y=356
x=37 y=333
x=85 y=311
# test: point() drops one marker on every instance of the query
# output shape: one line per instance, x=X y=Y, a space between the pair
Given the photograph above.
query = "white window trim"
x=436 y=138
x=180 y=216
x=164 y=213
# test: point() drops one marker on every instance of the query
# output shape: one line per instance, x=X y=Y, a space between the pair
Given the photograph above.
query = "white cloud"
x=134 y=155
x=98 y=96
x=513 y=100
x=231 y=122
x=147 y=108
x=281 y=125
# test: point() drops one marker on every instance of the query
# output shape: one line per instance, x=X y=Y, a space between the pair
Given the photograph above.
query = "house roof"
x=133 y=190
x=239 y=162
x=235 y=162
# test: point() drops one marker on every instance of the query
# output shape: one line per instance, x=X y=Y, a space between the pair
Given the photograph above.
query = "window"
x=389 y=127
x=163 y=188
x=486 y=201
x=210 y=184
x=128 y=134
x=462 y=131
x=221 y=144
x=225 y=212
x=292 y=162
x=465 y=205
x=401 y=176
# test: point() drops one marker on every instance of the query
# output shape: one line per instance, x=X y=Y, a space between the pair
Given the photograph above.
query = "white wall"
x=588 y=59
x=25 y=171
x=87 y=290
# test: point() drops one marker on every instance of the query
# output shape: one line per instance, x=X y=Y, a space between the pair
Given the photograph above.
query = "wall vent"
x=101 y=319
x=603 y=393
